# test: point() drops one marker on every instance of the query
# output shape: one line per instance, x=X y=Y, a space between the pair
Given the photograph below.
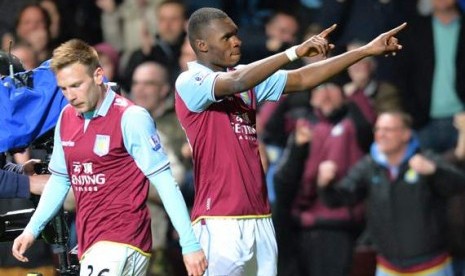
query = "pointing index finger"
x=326 y=32
x=397 y=29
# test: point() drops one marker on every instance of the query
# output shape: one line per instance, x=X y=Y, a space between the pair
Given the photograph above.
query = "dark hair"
x=44 y=12
x=201 y=18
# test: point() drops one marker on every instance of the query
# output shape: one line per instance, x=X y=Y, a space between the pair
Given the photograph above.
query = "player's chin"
x=235 y=58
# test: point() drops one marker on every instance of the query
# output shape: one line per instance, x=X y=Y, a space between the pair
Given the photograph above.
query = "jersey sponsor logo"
x=102 y=145
x=155 y=142
x=93 y=179
x=67 y=143
x=243 y=127
x=83 y=178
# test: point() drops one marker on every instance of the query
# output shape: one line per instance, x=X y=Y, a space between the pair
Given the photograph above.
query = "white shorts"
x=113 y=259
x=238 y=246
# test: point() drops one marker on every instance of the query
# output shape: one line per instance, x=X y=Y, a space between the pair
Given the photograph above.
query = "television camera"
x=13 y=223
x=56 y=232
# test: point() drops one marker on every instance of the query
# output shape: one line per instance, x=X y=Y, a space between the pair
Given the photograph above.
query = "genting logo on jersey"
x=83 y=178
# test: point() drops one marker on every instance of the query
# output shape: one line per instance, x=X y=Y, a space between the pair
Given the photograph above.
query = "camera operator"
x=19 y=181
x=30 y=102
x=30 y=97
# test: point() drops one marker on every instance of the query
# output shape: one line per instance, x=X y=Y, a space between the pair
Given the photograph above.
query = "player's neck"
x=213 y=67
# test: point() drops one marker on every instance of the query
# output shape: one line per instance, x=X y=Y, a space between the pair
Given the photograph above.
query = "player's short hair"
x=201 y=18
x=75 y=51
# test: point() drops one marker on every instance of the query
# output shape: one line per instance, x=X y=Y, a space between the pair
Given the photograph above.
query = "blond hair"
x=75 y=51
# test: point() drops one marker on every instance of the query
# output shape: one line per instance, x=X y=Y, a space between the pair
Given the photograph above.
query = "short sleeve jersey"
x=229 y=178
x=109 y=184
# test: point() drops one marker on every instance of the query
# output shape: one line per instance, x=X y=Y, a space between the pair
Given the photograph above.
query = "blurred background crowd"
x=142 y=46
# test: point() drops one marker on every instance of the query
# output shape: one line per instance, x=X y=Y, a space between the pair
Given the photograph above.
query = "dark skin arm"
x=310 y=75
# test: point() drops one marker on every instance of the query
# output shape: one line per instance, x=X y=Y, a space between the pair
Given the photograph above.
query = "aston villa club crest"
x=102 y=145
x=411 y=176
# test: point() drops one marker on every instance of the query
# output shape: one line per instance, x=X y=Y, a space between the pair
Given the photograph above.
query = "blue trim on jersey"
x=106 y=104
x=143 y=144
x=51 y=200
x=175 y=206
x=196 y=86
x=141 y=140
x=57 y=163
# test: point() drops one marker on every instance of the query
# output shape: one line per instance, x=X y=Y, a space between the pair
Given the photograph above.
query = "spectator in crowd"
x=216 y=105
x=372 y=96
x=55 y=18
x=456 y=204
x=318 y=239
x=26 y=54
x=278 y=33
x=187 y=55
x=109 y=59
x=8 y=14
x=151 y=89
x=430 y=78
x=406 y=191
x=362 y=20
x=31 y=18
x=309 y=12
x=33 y=27
x=165 y=48
x=124 y=25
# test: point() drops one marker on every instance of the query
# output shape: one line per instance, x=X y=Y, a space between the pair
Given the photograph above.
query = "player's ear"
x=98 y=75
x=201 y=45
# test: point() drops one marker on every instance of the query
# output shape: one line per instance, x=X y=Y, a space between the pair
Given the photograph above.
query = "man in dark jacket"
x=15 y=190
x=406 y=193
x=430 y=78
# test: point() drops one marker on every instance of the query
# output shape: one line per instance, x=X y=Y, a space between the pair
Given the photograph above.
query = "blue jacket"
x=30 y=105
x=13 y=185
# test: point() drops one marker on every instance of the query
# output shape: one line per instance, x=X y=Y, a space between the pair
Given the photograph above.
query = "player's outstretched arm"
x=254 y=73
x=311 y=75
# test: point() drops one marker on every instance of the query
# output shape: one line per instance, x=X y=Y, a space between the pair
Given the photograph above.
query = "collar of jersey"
x=195 y=65
x=104 y=107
